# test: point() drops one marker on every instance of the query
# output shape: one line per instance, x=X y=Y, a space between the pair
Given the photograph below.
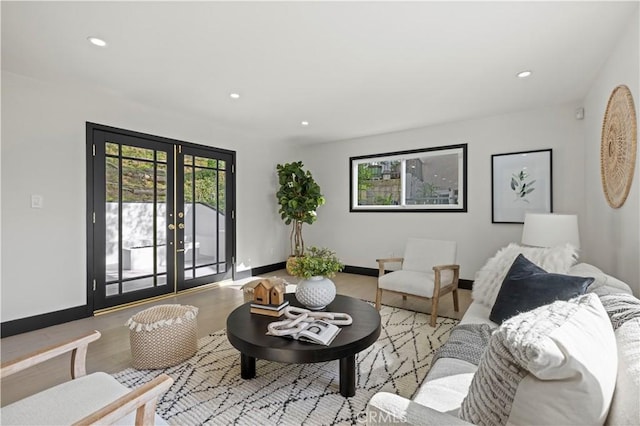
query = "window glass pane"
x=222 y=192
x=161 y=156
x=379 y=183
x=161 y=183
x=188 y=159
x=137 y=284
x=206 y=270
x=222 y=165
x=432 y=180
x=206 y=216
x=112 y=148
x=161 y=239
x=137 y=181
x=111 y=290
x=206 y=184
x=206 y=162
x=112 y=180
x=137 y=152
x=188 y=185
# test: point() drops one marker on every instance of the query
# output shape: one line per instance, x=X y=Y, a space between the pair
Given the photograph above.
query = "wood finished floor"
x=111 y=353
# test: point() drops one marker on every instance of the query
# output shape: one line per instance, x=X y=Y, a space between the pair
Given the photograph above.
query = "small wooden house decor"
x=262 y=292
x=277 y=295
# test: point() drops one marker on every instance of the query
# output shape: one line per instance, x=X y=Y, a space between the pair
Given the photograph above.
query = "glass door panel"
x=205 y=212
x=132 y=214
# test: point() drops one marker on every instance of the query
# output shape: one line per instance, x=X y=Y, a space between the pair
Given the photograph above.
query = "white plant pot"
x=316 y=292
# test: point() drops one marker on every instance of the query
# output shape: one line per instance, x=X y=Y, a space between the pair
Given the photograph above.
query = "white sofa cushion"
x=489 y=278
x=551 y=365
x=446 y=385
x=68 y=402
x=603 y=284
x=477 y=313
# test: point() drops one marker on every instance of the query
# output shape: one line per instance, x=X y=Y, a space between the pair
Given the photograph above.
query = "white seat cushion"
x=68 y=402
x=411 y=282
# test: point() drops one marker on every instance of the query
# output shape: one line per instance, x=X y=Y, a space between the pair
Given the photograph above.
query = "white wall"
x=360 y=238
x=613 y=239
x=43 y=152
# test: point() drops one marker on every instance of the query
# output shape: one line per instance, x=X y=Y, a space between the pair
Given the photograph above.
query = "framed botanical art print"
x=520 y=183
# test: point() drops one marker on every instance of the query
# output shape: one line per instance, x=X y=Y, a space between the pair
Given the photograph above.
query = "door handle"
x=172 y=227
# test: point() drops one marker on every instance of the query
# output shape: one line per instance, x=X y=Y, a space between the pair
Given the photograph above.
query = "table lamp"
x=550 y=229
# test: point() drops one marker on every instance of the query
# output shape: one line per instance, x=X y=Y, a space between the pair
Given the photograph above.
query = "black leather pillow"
x=527 y=286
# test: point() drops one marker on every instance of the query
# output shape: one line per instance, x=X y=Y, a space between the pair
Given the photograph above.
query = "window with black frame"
x=421 y=180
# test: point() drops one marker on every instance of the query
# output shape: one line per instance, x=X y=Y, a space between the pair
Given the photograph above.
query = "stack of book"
x=270 y=310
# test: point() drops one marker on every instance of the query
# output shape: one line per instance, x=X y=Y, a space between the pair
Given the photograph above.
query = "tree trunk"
x=297 y=244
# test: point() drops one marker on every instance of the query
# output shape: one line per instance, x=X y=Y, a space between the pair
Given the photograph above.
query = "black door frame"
x=91 y=129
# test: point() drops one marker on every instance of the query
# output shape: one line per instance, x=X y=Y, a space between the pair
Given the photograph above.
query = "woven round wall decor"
x=618 y=146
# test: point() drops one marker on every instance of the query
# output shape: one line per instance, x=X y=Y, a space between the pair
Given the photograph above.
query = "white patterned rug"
x=208 y=388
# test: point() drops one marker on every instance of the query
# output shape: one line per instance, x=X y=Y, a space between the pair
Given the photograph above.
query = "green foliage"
x=365 y=175
x=140 y=181
x=299 y=196
x=519 y=185
x=317 y=262
x=385 y=200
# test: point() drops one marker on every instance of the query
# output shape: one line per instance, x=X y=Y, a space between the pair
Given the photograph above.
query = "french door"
x=161 y=216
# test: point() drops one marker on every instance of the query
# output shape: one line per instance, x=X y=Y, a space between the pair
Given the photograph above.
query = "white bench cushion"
x=68 y=402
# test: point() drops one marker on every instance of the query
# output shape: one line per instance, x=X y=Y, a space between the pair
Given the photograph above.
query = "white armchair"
x=96 y=398
x=428 y=270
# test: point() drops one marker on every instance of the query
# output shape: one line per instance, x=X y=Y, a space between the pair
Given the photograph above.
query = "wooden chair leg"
x=404 y=297
x=378 y=298
x=434 y=311
x=455 y=300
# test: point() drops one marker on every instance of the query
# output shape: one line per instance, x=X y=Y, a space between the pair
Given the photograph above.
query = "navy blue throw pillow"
x=527 y=286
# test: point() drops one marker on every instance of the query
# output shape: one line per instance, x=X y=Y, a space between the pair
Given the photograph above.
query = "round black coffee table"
x=246 y=332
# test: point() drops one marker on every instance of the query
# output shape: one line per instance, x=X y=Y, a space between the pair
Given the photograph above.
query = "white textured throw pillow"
x=488 y=279
x=553 y=365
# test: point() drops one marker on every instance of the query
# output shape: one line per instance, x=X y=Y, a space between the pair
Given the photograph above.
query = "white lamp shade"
x=549 y=230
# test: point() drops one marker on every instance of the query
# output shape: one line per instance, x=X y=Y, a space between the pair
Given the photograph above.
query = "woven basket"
x=163 y=336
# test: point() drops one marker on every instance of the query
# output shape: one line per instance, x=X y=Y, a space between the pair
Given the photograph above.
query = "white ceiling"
x=349 y=68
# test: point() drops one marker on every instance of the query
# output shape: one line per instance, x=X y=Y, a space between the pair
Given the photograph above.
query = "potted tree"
x=299 y=196
x=315 y=267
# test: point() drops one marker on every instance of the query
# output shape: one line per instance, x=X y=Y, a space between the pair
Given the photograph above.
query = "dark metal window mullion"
x=155 y=218
x=193 y=217
x=120 y=247
x=217 y=174
x=193 y=221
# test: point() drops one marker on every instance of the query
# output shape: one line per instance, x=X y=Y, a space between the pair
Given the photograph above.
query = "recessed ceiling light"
x=97 y=41
x=304 y=123
x=234 y=95
x=523 y=74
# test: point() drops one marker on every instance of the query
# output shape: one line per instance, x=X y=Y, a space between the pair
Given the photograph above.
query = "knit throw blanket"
x=621 y=308
x=466 y=342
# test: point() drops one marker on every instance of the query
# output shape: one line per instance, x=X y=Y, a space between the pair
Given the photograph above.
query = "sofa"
x=584 y=371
